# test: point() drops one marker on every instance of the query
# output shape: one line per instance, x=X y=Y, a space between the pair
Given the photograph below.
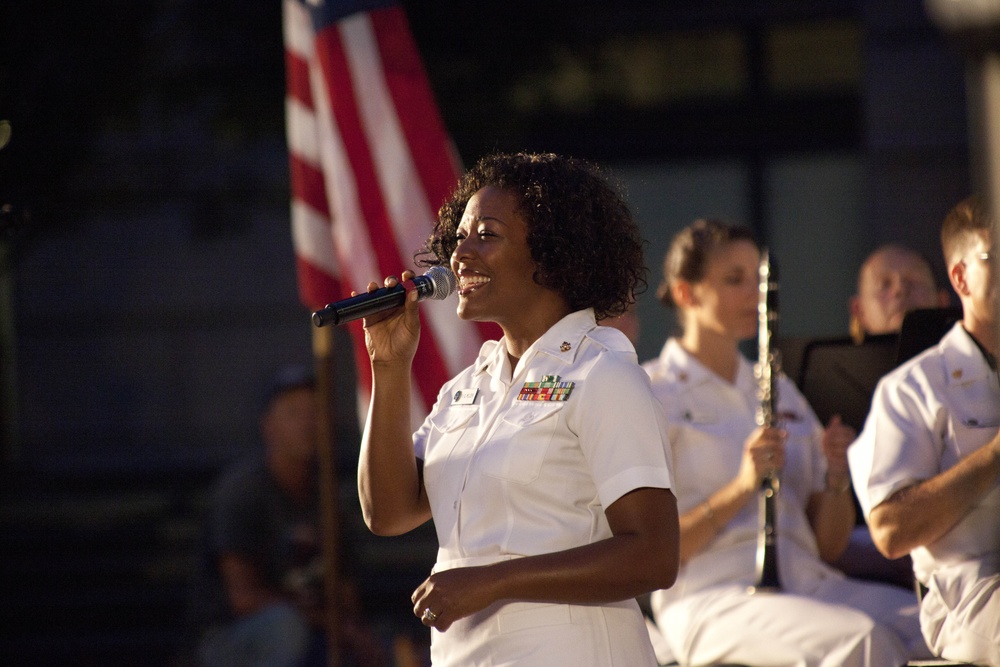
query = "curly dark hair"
x=582 y=237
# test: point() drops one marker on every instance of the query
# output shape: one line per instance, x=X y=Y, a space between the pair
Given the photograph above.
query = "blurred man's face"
x=892 y=282
x=979 y=265
x=289 y=424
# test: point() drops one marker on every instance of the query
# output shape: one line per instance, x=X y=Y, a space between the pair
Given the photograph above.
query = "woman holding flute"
x=817 y=617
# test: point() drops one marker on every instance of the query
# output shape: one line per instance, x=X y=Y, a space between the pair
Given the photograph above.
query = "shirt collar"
x=561 y=341
x=684 y=367
x=991 y=360
x=964 y=359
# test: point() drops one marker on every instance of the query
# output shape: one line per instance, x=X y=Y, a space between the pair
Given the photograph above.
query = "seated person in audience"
x=819 y=618
x=927 y=464
x=892 y=280
x=259 y=594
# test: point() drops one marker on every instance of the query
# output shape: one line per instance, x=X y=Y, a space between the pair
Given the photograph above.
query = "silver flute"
x=766 y=371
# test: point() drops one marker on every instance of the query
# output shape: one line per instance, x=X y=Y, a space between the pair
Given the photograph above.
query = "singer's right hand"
x=391 y=336
x=763 y=454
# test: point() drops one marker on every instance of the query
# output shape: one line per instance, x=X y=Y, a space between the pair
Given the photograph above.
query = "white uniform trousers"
x=966 y=629
x=529 y=634
x=832 y=627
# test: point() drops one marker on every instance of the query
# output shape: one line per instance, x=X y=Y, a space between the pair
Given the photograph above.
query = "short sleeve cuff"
x=632 y=479
x=879 y=493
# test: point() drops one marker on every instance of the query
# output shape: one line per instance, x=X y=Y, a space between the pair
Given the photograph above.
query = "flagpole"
x=322 y=339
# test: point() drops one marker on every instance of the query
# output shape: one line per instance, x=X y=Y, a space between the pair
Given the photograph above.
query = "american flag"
x=370 y=164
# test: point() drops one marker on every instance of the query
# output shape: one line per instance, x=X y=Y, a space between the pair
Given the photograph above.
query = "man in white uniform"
x=926 y=467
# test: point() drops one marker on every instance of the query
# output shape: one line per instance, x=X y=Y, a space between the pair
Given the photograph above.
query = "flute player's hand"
x=763 y=455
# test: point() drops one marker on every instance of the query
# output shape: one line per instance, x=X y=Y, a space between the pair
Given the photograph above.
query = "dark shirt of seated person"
x=258 y=597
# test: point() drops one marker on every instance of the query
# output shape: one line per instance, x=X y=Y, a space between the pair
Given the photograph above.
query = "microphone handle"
x=369 y=303
x=360 y=306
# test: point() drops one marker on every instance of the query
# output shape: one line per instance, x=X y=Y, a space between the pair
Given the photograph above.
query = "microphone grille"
x=443 y=282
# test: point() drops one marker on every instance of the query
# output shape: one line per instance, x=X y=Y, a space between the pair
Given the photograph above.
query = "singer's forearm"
x=389 y=480
x=640 y=557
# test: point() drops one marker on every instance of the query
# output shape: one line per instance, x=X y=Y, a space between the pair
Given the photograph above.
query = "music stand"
x=838 y=376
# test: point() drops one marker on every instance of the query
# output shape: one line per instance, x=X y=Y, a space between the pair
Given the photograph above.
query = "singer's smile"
x=470 y=283
x=495 y=270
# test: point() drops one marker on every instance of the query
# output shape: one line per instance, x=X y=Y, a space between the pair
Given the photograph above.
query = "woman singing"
x=709 y=393
x=544 y=464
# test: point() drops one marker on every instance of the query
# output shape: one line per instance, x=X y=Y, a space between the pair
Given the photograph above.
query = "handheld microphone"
x=438 y=283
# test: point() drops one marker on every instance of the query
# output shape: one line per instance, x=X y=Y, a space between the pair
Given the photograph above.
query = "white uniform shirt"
x=709 y=420
x=509 y=477
x=926 y=416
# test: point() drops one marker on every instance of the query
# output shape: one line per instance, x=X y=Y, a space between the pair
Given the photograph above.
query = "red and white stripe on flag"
x=370 y=165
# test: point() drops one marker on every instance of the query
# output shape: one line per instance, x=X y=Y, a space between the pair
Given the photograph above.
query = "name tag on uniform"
x=464 y=397
x=549 y=389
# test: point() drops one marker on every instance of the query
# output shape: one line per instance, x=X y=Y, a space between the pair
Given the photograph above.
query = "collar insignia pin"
x=565 y=347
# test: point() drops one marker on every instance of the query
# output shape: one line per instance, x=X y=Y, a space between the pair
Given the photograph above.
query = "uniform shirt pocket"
x=454 y=418
x=696 y=416
x=975 y=416
x=972 y=431
x=448 y=428
x=706 y=452
x=518 y=447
